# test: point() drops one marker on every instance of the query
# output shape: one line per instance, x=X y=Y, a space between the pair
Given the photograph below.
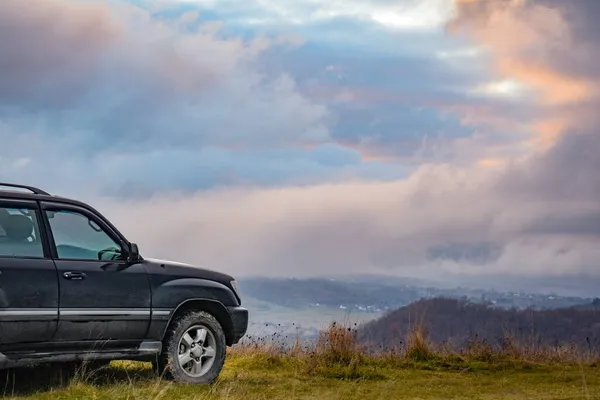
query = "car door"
x=28 y=280
x=101 y=296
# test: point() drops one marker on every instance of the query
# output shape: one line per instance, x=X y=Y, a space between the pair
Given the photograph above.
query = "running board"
x=144 y=350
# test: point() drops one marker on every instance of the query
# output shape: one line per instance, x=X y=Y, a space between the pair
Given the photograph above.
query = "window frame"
x=35 y=206
x=95 y=217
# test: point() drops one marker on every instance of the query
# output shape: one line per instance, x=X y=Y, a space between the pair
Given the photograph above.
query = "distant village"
x=301 y=307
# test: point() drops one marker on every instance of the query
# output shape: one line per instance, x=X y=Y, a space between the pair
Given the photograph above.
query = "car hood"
x=190 y=271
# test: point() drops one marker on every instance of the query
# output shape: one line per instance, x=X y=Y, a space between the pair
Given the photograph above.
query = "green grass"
x=261 y=375
x=337 y=367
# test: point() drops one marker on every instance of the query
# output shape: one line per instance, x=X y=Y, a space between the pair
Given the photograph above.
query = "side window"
x=78 y=237
x=19 y=233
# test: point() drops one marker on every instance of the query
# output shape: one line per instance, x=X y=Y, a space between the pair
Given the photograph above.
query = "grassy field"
x=334 y=368
x=260 y=377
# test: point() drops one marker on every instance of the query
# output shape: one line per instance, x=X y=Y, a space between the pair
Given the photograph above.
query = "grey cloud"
x=112 y=75
x=51 y=43
x=582 y=224
x=472 y=221
x=69 y=166
x=443 y=218
x=396 y=105
x=139 y=85
x=435 y=221
x=567 y=172
x=583 y=57
x=562 y=35
x=535 y=217
x=475 y=252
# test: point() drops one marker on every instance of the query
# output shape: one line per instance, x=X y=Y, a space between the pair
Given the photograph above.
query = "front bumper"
x=239 y=322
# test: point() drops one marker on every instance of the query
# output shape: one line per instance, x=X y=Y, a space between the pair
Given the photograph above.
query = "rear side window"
x=19 y=233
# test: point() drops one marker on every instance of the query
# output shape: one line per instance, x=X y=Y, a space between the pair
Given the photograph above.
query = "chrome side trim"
x=27 y=312
x=80 y=312
x=83 y=312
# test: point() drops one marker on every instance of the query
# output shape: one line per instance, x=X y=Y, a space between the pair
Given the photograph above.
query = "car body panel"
x=173 y=282
x=110 y=303
x=29 y=292
x=28 y=300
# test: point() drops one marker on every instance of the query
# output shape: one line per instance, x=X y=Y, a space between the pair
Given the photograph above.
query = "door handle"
x=74 y=275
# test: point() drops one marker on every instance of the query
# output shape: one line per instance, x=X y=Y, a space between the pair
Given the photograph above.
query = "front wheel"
x=194 y=349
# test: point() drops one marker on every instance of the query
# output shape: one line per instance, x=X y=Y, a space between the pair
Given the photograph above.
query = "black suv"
x=73 y=289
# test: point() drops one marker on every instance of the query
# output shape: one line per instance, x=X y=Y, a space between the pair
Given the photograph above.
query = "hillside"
x=301 y=307
x=456 y=322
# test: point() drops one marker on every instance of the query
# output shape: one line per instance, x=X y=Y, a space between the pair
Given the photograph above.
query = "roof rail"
x=34 y=190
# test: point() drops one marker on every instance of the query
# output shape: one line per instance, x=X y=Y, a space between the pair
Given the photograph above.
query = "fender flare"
x=214 y=307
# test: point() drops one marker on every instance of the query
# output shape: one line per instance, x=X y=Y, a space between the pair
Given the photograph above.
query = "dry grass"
x=338 y=345
x=336 y=366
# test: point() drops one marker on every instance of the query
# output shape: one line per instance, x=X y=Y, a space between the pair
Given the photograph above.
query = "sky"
x=300 y=138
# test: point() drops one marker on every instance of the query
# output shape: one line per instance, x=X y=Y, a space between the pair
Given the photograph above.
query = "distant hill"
x=454 y=322
x=379 y=294
x=299 y=293
x=595 y=304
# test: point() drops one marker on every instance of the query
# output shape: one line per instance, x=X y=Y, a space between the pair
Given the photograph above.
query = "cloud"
x=405 y=14
x=62 y=166
x=549 y=45
x=395 y=105
x=207 y=98
x=442 y=219
x=51 y=41
x=119 y=76
x=201 y=150
x=533 y=216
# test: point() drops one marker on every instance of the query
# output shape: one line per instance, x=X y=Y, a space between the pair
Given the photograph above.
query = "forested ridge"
x=457 y=322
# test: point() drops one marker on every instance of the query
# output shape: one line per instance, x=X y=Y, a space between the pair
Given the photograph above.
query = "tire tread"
x=170 y=347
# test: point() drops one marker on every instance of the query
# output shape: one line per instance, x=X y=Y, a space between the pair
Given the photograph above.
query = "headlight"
x=236 y=288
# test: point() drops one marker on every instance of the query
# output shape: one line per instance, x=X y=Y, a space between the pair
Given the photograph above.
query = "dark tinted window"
x=19 y=233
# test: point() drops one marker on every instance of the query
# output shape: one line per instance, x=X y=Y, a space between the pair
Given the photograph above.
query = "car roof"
x=41 y=195
x=13 y=194
x=11 y=191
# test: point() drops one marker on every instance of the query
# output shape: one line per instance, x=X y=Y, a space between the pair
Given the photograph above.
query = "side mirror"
x=134 y=254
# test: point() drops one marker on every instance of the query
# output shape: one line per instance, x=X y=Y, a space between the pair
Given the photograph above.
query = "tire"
x=194 y=349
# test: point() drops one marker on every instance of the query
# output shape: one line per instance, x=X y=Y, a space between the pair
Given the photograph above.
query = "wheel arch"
x=213 y=307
